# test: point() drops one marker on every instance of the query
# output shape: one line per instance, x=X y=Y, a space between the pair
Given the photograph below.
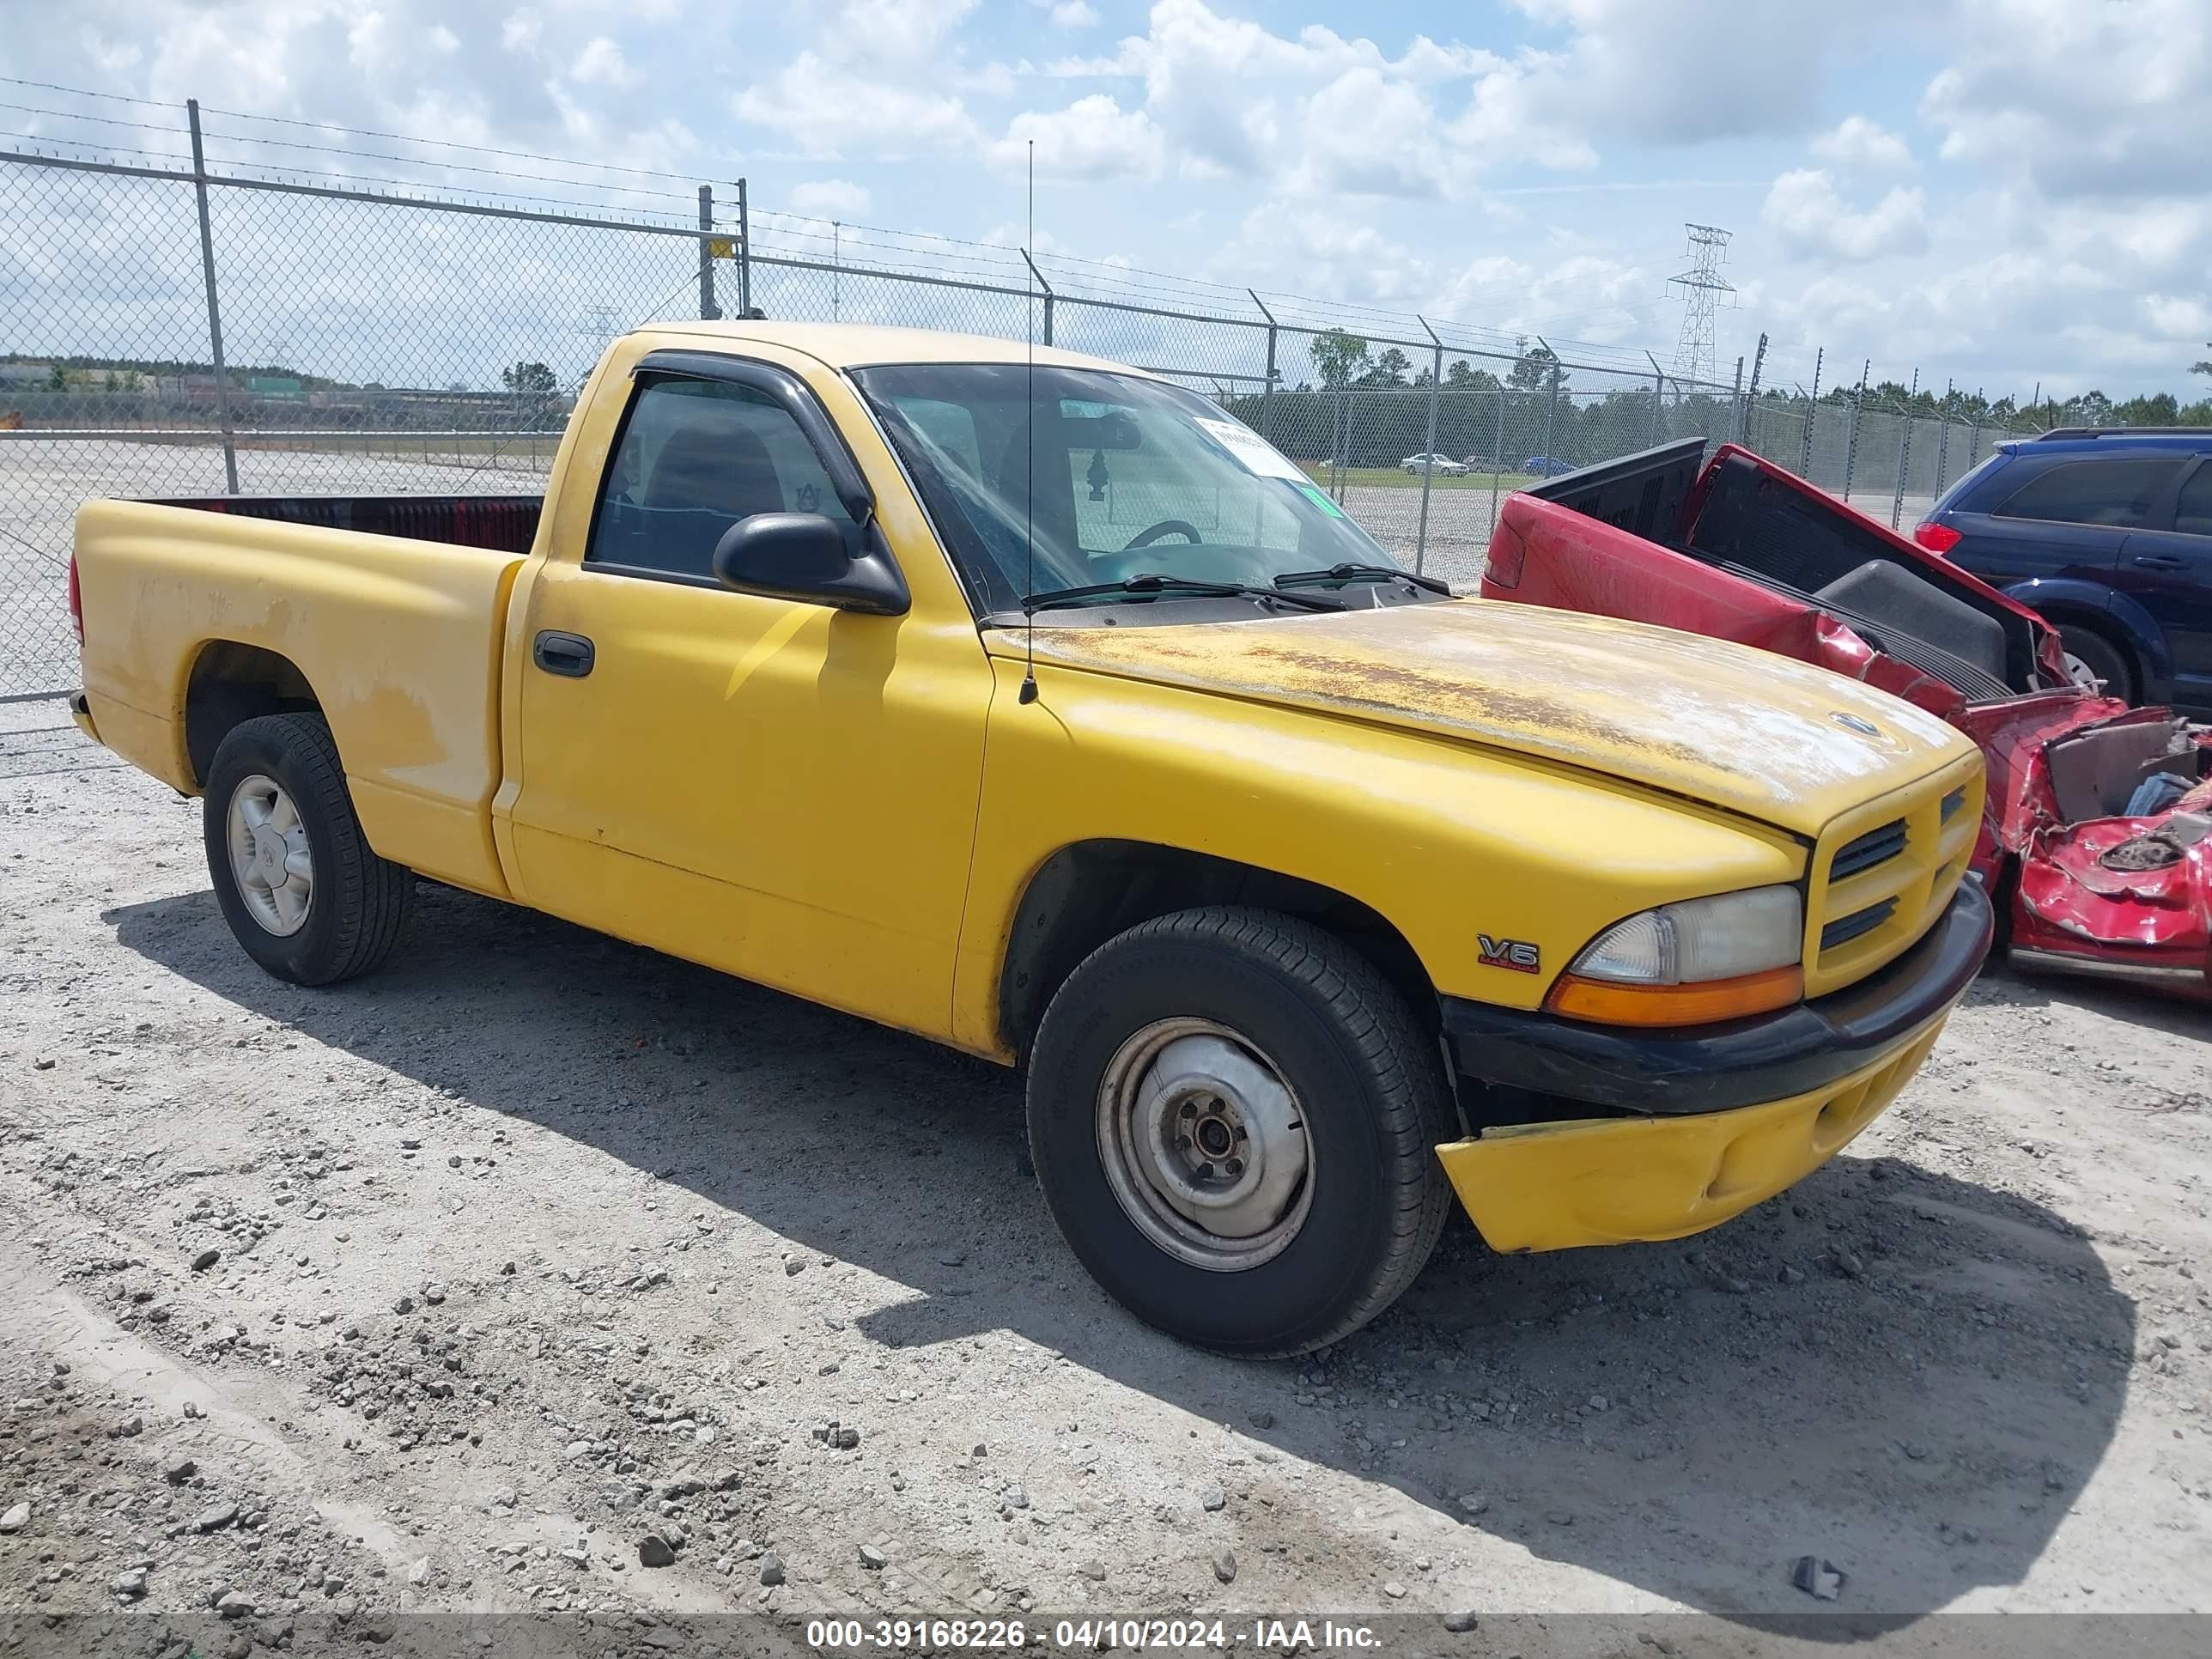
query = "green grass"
x=1392 y=477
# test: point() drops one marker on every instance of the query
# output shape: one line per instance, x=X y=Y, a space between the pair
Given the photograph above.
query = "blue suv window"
x=2193 y=514
x=2118 y=491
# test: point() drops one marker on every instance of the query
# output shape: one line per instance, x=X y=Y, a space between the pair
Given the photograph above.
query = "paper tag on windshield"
x=1254 y=452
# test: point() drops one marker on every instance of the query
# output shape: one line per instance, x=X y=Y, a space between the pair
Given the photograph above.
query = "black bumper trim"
x=1716 y=1068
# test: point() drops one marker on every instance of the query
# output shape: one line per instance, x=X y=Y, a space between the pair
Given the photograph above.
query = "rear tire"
x=2092 y=655
x=302 y=891
x=1283 y=1044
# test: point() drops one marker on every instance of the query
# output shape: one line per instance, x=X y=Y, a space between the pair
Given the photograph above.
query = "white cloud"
x=1093 y=137
x=1074 y=14
x=601 y=63
x=831 y=109
x=898 y=34
x=1319 y=113
x=1695 y=69
x=521 y=30
x=2080 y=100
x=867 y=84
x=1804 y=207
x=829 y=199
x=2178 y=317
x=1857 y=143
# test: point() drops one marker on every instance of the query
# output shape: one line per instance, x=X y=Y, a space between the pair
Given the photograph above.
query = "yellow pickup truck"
x=1038 y=707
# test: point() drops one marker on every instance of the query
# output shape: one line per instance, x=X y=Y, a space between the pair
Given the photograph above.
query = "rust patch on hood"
x=1717 y=721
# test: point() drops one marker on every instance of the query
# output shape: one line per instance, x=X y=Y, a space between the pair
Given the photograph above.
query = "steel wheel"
x=270 y=857
x=1205 y=1145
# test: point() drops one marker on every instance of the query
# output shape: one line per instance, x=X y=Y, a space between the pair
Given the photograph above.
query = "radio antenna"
x=1029 y=693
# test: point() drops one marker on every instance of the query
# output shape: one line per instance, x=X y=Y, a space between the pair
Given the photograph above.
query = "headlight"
x=1690 y=963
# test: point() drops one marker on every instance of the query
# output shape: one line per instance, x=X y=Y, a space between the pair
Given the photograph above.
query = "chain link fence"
x=169 y=330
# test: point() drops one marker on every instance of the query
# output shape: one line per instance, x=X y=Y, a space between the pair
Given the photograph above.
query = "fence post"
x=1497 y=459
x=1552 y=404
x=745 y=254
x=709 y=311
x=1974 y=431
x=1658 y=395
x=1046 y=287
x=214 y=310
x=1812 y=414
x=1428 y=444
x=1757 y=363
x=1267 y=389
x=1851 y=436
x=1735 y=398
x=1943 y=440
x=1904 y=455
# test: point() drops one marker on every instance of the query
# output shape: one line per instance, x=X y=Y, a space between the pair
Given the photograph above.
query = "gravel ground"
x=541 y=1273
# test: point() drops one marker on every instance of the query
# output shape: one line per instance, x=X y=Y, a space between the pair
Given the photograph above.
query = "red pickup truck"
x=2097 y=844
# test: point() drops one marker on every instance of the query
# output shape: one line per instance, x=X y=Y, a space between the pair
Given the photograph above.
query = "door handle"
x=569 y=654
x=2158 y=562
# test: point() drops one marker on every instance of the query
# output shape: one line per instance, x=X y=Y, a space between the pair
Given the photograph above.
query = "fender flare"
x=2061 y=599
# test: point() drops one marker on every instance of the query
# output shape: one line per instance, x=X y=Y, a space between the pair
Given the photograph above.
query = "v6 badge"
x=1516 y=954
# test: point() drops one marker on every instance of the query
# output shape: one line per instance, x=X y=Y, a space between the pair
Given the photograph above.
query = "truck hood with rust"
x=1742 y=729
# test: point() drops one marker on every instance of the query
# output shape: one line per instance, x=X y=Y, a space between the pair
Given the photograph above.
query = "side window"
x=695 y=457
x=2114 y=492
x=2192 y=513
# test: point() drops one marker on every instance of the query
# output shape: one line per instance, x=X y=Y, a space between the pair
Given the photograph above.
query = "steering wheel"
x=1164 y=527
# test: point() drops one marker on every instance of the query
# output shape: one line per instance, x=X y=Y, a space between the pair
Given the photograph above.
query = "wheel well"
x=2087 y=622
x=1086 y=893
x=232 y=684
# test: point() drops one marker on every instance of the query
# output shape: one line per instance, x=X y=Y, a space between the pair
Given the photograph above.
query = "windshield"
x=1131 y=478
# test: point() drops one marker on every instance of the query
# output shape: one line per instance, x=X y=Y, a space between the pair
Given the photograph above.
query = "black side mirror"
x=802 y=556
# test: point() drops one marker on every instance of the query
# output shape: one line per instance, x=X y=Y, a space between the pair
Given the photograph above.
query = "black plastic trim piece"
x=1717 y=1068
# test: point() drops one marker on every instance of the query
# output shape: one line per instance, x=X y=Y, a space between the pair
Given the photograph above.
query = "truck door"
x=781 y=790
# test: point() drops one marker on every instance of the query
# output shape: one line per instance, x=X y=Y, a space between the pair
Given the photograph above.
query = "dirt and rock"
x=542 y=1275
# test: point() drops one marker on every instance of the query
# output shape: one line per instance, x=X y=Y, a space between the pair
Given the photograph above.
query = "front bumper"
x=1726 y=1116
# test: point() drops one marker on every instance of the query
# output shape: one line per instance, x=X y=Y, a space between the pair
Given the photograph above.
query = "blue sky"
x=2005 y=191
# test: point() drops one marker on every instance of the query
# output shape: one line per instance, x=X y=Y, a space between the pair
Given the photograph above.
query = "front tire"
x=304 y=893
x=1233 y=1117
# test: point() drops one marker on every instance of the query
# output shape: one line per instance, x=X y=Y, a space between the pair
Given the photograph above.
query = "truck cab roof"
x=863 y=345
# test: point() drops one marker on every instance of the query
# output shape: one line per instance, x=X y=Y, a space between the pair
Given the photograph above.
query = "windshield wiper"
x=1182 y=586
x=1360 y=573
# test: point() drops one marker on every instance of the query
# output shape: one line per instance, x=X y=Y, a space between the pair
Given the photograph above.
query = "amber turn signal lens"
x=1703 y=1003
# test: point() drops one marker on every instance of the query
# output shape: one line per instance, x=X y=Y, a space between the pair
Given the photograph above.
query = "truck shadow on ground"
x=1906 y=1373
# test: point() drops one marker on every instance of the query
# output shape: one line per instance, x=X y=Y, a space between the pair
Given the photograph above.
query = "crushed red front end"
x=2098 y=841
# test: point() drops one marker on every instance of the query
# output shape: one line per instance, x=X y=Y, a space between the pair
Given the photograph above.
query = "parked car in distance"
x=2108 y=532
x=1485 y=464
x=1484 y=902
x=1547 y=467
x=1441 y=466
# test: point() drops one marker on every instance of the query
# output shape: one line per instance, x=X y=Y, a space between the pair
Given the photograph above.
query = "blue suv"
x=2108 y=532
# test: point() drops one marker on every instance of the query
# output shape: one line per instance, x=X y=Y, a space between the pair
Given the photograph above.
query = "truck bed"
x=388 y=612
x=505 y=523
